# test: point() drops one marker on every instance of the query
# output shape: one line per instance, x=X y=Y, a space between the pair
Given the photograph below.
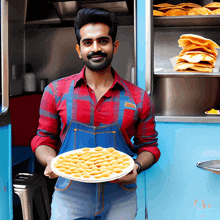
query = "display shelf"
x=186 y=21
x=195 y=118
x=185 y=74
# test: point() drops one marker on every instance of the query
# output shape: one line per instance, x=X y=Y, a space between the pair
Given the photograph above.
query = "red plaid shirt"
x=70 y=98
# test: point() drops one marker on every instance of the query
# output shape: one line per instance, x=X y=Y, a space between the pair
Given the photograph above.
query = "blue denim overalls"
x=103 y=201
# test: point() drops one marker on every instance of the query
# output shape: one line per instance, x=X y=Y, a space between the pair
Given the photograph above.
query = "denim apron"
x=106 y=201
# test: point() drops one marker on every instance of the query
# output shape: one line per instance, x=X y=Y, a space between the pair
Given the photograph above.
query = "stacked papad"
x=198 y=54
x=213 y=6
x=186 y=8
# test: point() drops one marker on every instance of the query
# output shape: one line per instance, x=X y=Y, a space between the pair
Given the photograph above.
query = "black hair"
x=96 y=15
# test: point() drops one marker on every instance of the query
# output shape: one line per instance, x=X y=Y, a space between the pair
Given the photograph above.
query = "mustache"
x=99 y=53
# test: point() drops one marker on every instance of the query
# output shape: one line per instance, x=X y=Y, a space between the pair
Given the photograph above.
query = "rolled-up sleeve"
x=145 y=138
x=48 y=129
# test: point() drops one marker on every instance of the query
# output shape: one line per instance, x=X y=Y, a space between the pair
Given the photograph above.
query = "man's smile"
x=97 y=58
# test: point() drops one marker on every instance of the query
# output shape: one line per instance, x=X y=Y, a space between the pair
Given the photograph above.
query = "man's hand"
x=129 y=178
x=48 y=171
x=45 y=155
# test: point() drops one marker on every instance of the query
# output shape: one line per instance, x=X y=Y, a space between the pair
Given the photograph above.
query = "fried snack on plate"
x=196 y=56
x=212 y=111
x=193 y=67
x=158 y=13
x=176 y=12
x=93 y=164
x=213 y=5
x=199 y=11
x=216 y=12
x=186 y=39
x=194 y=47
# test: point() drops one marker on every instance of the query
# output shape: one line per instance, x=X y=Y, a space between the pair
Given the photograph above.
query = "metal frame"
x=149 y=67
x=4 y=57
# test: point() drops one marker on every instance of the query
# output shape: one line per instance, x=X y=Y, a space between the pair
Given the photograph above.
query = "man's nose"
x=95 y=47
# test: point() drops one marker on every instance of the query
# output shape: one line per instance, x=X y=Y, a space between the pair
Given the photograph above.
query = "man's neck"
x=99 y=79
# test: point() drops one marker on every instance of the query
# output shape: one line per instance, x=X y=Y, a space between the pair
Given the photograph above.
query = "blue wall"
x=176 y=188
x=5 y=171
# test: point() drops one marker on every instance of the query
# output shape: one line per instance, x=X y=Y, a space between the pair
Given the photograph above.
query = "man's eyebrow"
x=105 y=37
x=86 y=39
x=100 y=38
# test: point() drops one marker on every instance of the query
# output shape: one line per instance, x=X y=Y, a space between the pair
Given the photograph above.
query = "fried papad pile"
x=175 y=12
x=186 y=39
x=198 y=54
x=213 y=6
x=194 y=47
x=158 y=13
x=199 y=11
x=163 y=5
x=186 y=8
x=192 y=67
x=216 y=12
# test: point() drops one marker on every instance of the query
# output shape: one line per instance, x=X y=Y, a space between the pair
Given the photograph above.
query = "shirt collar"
x=80 y=77
x=117 y=79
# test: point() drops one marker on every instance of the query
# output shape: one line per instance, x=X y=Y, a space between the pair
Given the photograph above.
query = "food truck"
x=38 y=46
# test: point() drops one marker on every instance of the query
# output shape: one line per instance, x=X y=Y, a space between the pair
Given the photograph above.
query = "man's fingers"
x=48 y=172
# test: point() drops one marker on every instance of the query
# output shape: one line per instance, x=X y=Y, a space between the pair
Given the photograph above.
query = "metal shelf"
x=195 y=118
x=187 y=21
x=186 y=74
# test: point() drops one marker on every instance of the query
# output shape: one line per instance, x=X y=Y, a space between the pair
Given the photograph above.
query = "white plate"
x=218 y=113
x=113 y=176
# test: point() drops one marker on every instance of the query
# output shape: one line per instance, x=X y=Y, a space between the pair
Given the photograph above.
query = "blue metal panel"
x=6 y=174
x=176 y=188
x=141 y=202
x=141 y=197
x=141 y=46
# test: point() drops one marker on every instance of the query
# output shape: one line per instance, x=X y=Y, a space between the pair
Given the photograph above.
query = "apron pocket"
x=129 y=187
x=62 y=184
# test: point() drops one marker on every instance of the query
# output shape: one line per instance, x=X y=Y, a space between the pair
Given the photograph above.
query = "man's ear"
x=116 y=44
x=78 y=51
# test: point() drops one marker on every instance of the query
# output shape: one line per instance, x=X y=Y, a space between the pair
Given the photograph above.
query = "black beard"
x=98 y=66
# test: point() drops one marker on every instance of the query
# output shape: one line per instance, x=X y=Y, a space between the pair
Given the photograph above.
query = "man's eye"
x=87 y=43
x=103 y=41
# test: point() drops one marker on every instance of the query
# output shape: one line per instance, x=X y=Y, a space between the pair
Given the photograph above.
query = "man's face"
x=96 y=46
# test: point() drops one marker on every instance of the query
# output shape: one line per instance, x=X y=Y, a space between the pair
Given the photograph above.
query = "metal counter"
x=193 y=119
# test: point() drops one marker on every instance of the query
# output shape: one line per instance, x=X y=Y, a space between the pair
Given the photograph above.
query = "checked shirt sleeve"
x=145 y=138
x=48 y=129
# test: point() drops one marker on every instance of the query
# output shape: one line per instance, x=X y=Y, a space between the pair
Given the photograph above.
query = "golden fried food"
x=94 y=163
x=176 y=12
x=77 y=175
x=99 y=148
x=199 y=11
x=189 y=4
x=212 y=5
x=196 y=56
x=216 y=11
x=158 y=13
x=162 y=5
x=186 y=39
x=195 y=67
x=86 y=149
x=195 y=47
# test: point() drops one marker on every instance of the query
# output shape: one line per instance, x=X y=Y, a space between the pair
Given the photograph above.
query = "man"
x=78 y=108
